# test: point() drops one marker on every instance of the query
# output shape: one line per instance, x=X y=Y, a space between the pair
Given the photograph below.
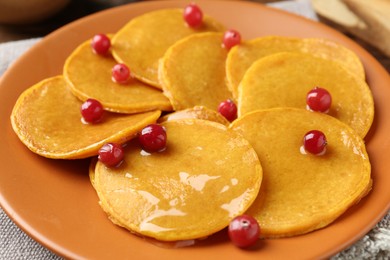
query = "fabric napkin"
x=15 y=244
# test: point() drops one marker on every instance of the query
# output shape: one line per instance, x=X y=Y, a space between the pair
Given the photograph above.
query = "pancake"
x=91 y=170
x=191 y=190
x=47 y=119
x=192 y=72
x=303 y=192
x=89 y=76
x=284 y=79
x=241 y=57
x=143 y=41
x=197 y=112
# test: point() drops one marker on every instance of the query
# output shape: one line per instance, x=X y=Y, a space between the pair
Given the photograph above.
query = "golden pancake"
x=143 y=41
x=197 y=112
x=192 y=72
x=47 y=119
x=241 y=57
x=91 y=170
x=207 y=175
x=303 y=192
x=284 y=79
x=89 y=75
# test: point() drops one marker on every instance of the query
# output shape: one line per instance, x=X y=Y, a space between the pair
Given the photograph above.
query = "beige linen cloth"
x=15 y=244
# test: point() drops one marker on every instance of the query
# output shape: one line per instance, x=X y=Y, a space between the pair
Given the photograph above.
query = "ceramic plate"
x=54 y=202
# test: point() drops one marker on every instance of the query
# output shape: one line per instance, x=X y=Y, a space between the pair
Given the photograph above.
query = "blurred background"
x=366 y=22
x=21 y=19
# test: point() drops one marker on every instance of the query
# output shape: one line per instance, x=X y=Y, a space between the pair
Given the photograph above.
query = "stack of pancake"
x=212 y=170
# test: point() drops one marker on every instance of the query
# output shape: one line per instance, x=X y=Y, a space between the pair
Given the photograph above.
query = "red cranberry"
x=315 y=142
x=100 y=44
x=228 y=109
x=111 y=154
x=193 y=15
x=153 y=138
x=231 y=38
x=319 y=99
x=244 y=231
x=92 y=111
x=120 y=73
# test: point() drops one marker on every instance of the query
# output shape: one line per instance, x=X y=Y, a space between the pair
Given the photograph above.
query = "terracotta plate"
x=54 y=202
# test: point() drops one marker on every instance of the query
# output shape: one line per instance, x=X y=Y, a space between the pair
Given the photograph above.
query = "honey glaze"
x=171 y=244
x=217 y=238
x=182 y=194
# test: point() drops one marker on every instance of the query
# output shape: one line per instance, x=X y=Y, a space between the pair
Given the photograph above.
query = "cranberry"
x=319 y=99
x=244 y=231
x=120 y=73
x=228 y=109
x=314 y=142
x=153 y=138
x=231 y=38
x=111 y=154
x=193 y=15
x=100 y=44
x=92 y=111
